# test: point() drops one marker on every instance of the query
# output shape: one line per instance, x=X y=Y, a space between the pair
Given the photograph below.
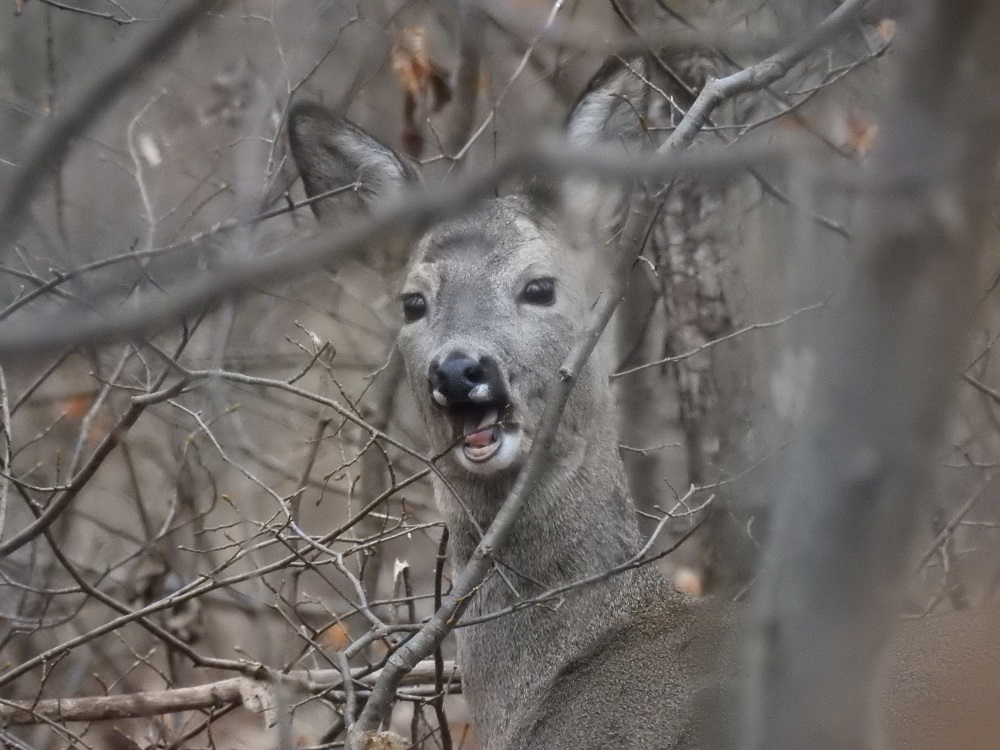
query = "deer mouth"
x=482 y=431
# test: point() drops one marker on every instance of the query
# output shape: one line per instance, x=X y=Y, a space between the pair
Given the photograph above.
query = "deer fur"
x=628 y=662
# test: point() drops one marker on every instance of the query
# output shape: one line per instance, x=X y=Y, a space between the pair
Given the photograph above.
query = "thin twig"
x=211 y=695
x=709 y=344
x=120 y=20
x=403 y=218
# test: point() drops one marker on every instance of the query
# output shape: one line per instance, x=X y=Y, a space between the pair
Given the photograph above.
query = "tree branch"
x=234 y=691
x=764 y=73
x=844 y=517
x=403 y=218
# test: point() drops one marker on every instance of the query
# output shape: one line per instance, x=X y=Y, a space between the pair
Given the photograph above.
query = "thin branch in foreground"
x=61 y=277
x=120 y=20
x=191 y=591
x=840 y=541
x=55 y=508
x=403 y=218
x=722 y=339
x=254 y=694
x=639 y=559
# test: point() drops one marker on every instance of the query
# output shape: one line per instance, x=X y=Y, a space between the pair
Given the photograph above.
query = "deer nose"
x=459 y=378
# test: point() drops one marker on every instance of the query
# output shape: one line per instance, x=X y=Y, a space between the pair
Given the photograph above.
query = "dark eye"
x=540 y=291
x=414 y=306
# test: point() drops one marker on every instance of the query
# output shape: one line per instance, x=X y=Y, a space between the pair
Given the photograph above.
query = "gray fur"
x=613 y=664
x=611 y=111
x=333 y=152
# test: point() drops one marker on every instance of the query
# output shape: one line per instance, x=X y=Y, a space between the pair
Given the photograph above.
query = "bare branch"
x=764 y=73
x=214 y=695
x=722 y=339
x=844 y=518
x=406 y=215
x=120 y=20
x=59 y=504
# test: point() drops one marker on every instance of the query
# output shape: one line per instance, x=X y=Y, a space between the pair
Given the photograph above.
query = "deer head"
x=492 y=300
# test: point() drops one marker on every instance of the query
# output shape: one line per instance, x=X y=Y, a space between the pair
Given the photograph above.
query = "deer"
x=491 y=303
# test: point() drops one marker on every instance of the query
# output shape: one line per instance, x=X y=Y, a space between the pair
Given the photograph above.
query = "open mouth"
x=486 y=437
x=479 y=428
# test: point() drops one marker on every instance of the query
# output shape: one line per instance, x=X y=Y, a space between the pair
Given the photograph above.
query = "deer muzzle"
x=474 y=397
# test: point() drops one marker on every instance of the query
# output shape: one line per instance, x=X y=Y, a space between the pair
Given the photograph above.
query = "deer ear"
x=614 y=105
x=332 y=152
x=612 y=112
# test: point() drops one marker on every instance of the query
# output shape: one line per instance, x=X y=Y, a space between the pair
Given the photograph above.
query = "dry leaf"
x=689 y=581
x=425 y=85
x=380 y=741
x=796 y=121
x=336 y=637
x=886 y=29
x=463 y=735
x=410 y=61
x=259 y=697
x=77 y=405
x=861 y=135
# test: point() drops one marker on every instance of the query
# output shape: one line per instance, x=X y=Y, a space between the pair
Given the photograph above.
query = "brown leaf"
x=886 y=29
x=425 y=85
x=462 y=734
x=861 y=135
x=796 y=121
x=77 y=405
x=410 y=60
x=381 y=741
x=336 y=637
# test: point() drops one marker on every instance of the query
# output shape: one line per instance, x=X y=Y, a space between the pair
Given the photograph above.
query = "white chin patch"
x=503 y=453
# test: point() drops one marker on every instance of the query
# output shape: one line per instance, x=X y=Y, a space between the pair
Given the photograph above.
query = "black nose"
x=457 y=377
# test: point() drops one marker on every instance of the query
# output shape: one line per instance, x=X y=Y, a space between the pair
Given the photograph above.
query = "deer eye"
x=414 y=306
x=540 y=291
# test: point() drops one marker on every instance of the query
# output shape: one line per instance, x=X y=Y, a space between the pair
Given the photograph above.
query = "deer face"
x=492 y=301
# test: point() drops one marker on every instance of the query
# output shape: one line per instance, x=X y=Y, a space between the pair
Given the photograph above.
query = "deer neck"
x=578 y=519
x=577 y=522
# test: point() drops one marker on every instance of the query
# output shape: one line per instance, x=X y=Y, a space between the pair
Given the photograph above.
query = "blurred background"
x=192 y=499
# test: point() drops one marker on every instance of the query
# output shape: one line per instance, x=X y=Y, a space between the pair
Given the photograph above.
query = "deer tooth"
x=473 y=430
